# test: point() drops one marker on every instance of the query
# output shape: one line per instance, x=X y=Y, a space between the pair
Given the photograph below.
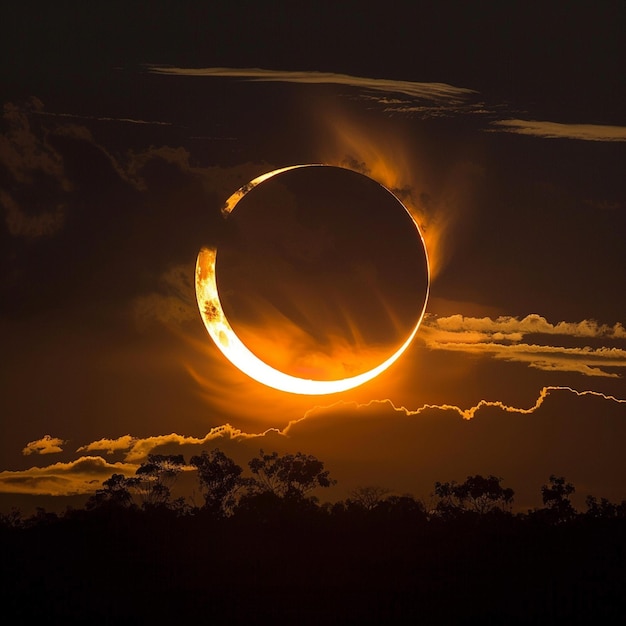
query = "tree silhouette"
x=403 y=508
x=477 y=494
x=367 y=497
x=155 y=478
x=41 y=517
x=115 y=493
x=599 y=509
x=220 y=480
x=555 y=497
x=289 y=476
x=602 y=509
x=12 y=519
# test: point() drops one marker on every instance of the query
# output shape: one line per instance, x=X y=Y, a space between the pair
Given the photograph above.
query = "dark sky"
x=547 y=56
x=127 y=126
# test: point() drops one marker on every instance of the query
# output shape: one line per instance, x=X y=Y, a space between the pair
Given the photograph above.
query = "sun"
x=240 y=355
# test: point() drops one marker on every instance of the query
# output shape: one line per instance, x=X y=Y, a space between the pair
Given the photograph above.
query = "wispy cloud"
x=466 y=414
x=440 y=93
x=45 y=445
x=502 y=338
x=587 y=361
x=578 y=434
x=173 y=303
x=555 y=130
x=425 y=99
x=418 y=90
x=138 y=448
x=514 y=328
x=405 y=448
x=122 y=120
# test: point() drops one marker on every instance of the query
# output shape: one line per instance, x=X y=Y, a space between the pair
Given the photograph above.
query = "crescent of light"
x=234 y=349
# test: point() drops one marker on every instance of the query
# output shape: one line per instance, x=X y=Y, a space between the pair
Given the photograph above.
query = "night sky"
x=502 y=131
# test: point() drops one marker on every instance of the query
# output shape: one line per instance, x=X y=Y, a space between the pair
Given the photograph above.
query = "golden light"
x=437 y=199
x=240 y=355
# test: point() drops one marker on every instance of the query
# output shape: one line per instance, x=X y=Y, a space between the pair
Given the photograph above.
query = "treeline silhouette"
x=259 y=546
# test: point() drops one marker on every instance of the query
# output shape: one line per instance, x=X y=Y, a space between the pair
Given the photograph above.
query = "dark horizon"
x=372 y=557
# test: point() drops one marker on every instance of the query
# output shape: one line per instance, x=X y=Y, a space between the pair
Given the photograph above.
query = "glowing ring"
x=234 y=349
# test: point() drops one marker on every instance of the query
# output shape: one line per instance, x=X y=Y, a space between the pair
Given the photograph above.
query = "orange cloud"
x=108 y=445
x=467 y=414
x=530 y=324
x=82 y=476
x=501 y=338
x=578 y=434
x=138 y=448
x=45 y=445
x=554 y=130
x=440 y=92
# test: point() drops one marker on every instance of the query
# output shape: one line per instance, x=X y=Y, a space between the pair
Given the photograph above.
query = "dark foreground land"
x=313 y=567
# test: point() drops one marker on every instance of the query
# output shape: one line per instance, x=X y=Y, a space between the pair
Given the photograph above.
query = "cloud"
x=29 y=159
x=20 y=224
x=173 y=304
x=411 y=106
x=531 y=324
x=82 y=476
x=35 y=154
x=22 y=150
x=45 y=445
x=467 y=414
x=123 y=120
x=443 y=94
x=429 y=99
x=409 y=88
x=138 y=448
x=108 y=445
x=38 y=161
x=501 y=338
x=555 y=130
x=578 y=434
x=588 y=361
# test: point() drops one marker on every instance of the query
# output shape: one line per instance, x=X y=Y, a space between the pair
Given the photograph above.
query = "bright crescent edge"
x=234 y=349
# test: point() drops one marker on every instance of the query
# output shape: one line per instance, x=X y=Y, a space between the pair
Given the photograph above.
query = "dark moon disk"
x=320 y=264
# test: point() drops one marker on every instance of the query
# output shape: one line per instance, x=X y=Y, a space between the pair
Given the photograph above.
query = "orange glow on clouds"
x=389 y=159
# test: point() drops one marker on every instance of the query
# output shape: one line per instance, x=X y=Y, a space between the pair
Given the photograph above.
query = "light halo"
x=231 y=346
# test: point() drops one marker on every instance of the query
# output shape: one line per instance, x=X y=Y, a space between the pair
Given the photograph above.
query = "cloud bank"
x=137 y=448
x=578 y=434
x=410 y=97
x=82 y=476
x=502 y=338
